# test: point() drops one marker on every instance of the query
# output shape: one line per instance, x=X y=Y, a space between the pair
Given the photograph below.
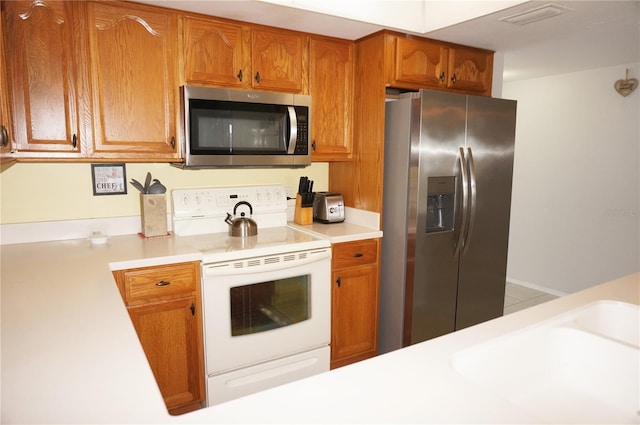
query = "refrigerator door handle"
x=459 y=243
x=472 y=200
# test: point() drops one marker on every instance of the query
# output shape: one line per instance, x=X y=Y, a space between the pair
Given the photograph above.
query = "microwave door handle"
x=293 y=130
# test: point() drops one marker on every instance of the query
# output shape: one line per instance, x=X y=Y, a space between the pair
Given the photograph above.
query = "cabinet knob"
x=4 y=136
x=453 y=78
x=442 y=77
x=258 y=77
x=239 y=75
x=313 y=145
x=193 y=309
x=339 y=281
x=74 y=141
x=173 y=142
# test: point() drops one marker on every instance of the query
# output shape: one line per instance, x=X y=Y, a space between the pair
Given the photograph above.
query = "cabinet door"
x=278 y=60
x=470 y=70
x=6 y=128
x=331 y=71
x=354 y=315
x=134 y=85
x=215 y=53
x=419 y=63
x=43 y=48
x=169 y=334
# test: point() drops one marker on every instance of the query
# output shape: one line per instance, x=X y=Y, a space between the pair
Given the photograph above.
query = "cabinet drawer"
x=152 y=284
x=350 y=254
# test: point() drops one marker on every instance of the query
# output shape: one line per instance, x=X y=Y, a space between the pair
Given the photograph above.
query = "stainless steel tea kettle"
x=242 y=226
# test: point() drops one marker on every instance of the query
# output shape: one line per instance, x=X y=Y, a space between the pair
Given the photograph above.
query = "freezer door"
x=483 y=261
x=431 y=281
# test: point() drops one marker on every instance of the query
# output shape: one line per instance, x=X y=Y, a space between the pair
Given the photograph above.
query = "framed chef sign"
x=109 y=179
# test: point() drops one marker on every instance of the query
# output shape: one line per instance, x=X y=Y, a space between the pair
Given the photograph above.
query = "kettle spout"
x=228 y=219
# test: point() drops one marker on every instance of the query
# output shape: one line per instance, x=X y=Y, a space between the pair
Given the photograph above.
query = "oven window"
x=269 y=305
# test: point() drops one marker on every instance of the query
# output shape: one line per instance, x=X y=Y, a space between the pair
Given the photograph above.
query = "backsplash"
x=45 y=231
x=41 y=192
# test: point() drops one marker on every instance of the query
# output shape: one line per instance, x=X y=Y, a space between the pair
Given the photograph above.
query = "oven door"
x=261 y=309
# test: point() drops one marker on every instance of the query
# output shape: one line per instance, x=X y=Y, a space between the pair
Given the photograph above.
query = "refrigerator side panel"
x=394 y=224
x=483 y=263
x=435 y=266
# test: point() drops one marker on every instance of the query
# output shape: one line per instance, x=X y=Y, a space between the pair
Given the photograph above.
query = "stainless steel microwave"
x=226 y=128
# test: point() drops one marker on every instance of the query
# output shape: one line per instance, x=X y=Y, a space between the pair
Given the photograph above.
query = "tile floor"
x=519 y=297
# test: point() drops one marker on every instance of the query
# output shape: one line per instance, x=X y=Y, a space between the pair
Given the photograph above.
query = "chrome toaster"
x=328 y=207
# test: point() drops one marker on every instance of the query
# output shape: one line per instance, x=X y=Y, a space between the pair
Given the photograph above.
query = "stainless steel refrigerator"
x=448 y=165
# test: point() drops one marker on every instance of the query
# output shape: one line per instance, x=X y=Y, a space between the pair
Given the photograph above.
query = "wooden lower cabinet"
x=354 y=301
x=164 y=305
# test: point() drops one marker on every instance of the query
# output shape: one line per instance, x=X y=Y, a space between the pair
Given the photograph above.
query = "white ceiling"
x=592 y=34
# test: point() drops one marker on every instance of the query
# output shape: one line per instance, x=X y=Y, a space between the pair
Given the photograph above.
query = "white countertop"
x=71 y=355
x=358 y=224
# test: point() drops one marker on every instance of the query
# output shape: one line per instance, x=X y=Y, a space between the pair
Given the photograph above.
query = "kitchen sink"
x=582 y=366
x=611 y=319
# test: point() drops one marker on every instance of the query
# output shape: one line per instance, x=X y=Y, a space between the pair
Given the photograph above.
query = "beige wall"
x=63 y=191
x=575 y=210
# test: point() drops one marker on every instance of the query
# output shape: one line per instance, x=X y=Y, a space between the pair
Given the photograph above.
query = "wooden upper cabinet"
x=43 y=47
x=331 y=73
x=279 y=60
x=133 y=64
x=215 y=52
x=415 y=63
x=225 y=53
x=419 y=62
x=470 y=70
x=6 y=127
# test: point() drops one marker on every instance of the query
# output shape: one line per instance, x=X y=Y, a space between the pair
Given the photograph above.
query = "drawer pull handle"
x=163 y=283
x=358 y=254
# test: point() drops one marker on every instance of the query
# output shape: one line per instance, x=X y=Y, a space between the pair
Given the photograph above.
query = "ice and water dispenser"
x=440 y=203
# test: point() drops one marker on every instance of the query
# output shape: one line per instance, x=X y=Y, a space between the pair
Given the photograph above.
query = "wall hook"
x=627 y=86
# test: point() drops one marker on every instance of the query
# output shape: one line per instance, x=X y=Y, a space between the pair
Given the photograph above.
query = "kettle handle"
x=243 y=203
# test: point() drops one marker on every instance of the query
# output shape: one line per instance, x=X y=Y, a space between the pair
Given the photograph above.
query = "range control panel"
x=193 y=207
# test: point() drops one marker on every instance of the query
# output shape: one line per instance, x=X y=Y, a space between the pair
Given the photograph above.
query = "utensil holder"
x=302 y=215
x=153 y=212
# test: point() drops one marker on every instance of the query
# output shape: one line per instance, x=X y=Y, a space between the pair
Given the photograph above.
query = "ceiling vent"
x=536 y=14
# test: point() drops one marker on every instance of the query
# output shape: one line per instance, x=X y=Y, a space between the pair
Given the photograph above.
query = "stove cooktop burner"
x=217 y=247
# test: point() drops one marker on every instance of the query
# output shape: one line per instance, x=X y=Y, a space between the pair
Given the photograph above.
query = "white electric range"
x=266 y=298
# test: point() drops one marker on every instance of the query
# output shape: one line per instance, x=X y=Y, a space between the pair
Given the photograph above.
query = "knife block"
x=302 y=215
x=153 y=211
